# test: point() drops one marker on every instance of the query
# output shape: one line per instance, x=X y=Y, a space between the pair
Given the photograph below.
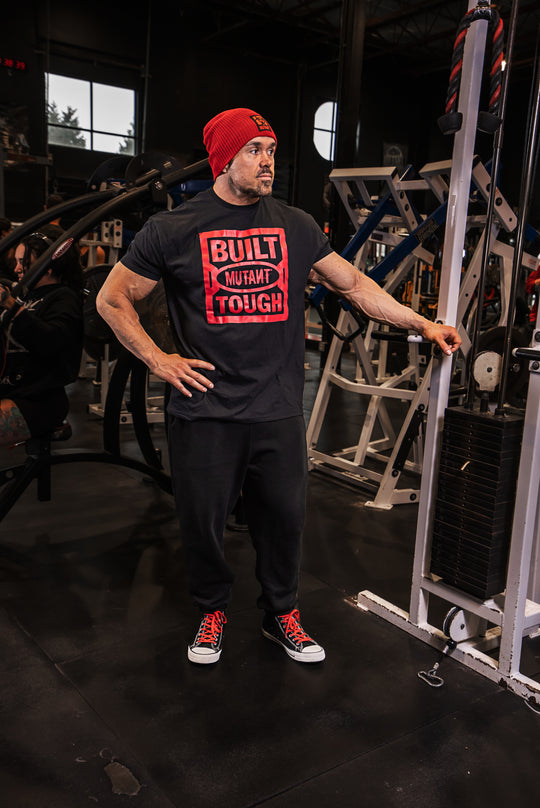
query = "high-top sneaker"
x=286 y=630
x=206 y=647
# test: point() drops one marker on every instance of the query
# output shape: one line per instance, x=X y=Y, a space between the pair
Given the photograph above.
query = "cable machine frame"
x=512 y=614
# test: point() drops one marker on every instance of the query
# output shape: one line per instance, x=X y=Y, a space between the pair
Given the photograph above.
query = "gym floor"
x=100 y=705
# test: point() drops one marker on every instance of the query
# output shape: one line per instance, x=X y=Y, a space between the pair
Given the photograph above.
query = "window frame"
x=91 y=131
x=331 y=131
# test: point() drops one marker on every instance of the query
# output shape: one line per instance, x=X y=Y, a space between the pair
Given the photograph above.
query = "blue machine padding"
x=530 y=233
x=409 y=243
x=364 y=232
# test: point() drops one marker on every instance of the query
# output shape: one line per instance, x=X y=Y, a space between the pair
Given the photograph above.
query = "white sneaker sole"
x=203 y=658
x=315 y=655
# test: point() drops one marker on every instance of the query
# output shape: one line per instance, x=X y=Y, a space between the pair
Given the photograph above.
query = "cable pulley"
x=458 y=625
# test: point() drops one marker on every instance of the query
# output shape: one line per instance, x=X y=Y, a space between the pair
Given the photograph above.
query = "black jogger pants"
x=212 y=462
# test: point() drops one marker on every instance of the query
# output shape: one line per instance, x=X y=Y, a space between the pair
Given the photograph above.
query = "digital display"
x=12 y=64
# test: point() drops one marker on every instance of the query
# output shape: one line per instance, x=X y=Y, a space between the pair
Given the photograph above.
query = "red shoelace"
x=211 y=626
x=293 y=629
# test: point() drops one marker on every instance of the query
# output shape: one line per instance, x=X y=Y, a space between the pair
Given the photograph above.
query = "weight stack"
x=475 y=499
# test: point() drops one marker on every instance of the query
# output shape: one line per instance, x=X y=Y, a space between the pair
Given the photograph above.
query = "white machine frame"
x=372 y=379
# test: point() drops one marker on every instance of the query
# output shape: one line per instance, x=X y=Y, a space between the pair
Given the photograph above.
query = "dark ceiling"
x=417 y=36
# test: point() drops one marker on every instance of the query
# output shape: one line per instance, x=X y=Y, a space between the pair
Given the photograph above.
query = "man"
x=235 y=263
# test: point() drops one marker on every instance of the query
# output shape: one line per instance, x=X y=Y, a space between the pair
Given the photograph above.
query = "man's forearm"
x=116 y=304
x=378 y=305
x=364 y=294
x=124 y=321
x=370 y=299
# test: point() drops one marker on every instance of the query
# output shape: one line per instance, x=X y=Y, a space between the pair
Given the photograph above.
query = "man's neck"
x=223 y=189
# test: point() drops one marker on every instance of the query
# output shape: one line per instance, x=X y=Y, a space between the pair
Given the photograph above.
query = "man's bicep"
x=121 y=281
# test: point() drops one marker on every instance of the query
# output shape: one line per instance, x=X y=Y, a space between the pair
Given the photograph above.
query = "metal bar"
x=344 y=465
x=460 y=181
x=522 y=532
x=380 y=173
x=501 y=209
x=44 y=216
x=534 y=575
x=138 y=402
x=146 y=77
x=371 y=389
x=527 y=353
x=526 y=186
x=385 y=494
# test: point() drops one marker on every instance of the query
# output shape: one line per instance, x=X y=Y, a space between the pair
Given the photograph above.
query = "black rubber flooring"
x=100 y=706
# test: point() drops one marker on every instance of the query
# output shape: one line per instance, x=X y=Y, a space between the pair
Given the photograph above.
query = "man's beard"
x=261 y=188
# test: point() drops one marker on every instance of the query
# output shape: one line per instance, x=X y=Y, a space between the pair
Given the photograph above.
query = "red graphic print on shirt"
x=246 y=275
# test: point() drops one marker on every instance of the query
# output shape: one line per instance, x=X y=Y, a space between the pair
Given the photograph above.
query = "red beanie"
x=227 y=132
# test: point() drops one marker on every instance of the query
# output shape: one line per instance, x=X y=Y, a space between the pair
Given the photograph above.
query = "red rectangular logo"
x=246 y=275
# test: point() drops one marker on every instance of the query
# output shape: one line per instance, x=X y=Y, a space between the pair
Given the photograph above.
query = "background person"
x=40 y=350
x=24 y=259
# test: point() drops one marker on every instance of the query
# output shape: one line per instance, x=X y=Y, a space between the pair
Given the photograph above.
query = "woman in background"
x=40 y=348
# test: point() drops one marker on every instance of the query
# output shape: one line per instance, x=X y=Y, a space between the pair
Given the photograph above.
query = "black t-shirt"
x=235 y=277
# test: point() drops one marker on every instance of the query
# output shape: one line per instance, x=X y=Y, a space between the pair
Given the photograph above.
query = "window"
x=88 y=115
x=324 y=129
